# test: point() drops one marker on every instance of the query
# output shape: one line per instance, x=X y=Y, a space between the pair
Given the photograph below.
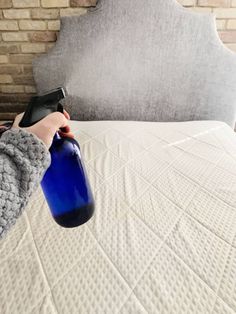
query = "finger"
x=62 y=134
x=56 y=120
x=66 y=114
x=65 y=129
x=17 y=120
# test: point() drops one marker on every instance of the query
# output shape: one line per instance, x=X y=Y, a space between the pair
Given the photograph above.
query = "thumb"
x=17 y=120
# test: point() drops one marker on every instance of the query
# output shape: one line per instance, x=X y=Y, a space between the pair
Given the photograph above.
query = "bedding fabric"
x=126 y=61
x=162 y=239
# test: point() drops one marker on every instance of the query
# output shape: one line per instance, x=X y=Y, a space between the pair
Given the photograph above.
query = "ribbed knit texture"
x=23 y=161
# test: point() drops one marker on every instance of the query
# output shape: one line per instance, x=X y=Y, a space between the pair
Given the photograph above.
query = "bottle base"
x=75 y=217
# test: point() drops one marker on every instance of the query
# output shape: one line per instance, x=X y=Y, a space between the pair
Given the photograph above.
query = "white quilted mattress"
x=163 y=238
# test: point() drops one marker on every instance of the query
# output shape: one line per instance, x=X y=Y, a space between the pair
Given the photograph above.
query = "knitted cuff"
x=24 y=145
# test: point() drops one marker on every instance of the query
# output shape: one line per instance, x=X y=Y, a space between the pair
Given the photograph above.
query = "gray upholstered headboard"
x=128 y=61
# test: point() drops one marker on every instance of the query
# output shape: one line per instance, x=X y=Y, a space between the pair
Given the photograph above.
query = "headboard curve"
x=125 y=60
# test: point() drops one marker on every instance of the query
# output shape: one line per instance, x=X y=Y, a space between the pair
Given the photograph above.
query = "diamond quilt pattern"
x=163 y=236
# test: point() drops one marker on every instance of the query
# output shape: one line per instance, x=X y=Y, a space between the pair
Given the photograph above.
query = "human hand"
x=46 y=128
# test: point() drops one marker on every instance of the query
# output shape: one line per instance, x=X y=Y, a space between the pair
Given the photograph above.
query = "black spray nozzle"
x=42 y=105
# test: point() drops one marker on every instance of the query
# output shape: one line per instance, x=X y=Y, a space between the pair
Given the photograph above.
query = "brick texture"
x=214 y=3
x=8 y=25
x=43 y=36
x=16 y=14
x=5 y=4
x=32 y=25
x=55 y=3
x=82 y=3
x=45 y=14
x=5 y=78
x=15 y=36
x=26 y=3
x=3 y=59
x=29 y=28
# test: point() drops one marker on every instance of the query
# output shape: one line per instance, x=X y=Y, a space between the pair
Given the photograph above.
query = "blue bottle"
x=65 y=183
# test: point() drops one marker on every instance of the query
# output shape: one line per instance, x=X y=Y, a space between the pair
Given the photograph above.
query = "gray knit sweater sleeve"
x=23 y=161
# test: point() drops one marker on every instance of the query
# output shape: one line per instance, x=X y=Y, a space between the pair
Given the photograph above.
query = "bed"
x=163 y=236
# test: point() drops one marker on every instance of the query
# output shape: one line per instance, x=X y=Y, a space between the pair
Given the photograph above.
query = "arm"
x=24 y=159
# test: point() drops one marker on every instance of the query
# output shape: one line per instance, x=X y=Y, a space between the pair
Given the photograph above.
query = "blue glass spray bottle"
x=65 y=183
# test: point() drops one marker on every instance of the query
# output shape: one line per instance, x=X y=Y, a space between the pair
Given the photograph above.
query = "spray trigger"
x=41 y=106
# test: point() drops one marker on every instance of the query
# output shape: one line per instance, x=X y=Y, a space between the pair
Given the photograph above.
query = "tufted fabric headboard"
x=155 y=62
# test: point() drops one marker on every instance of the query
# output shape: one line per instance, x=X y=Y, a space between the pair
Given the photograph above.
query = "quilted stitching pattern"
x=163 y=237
